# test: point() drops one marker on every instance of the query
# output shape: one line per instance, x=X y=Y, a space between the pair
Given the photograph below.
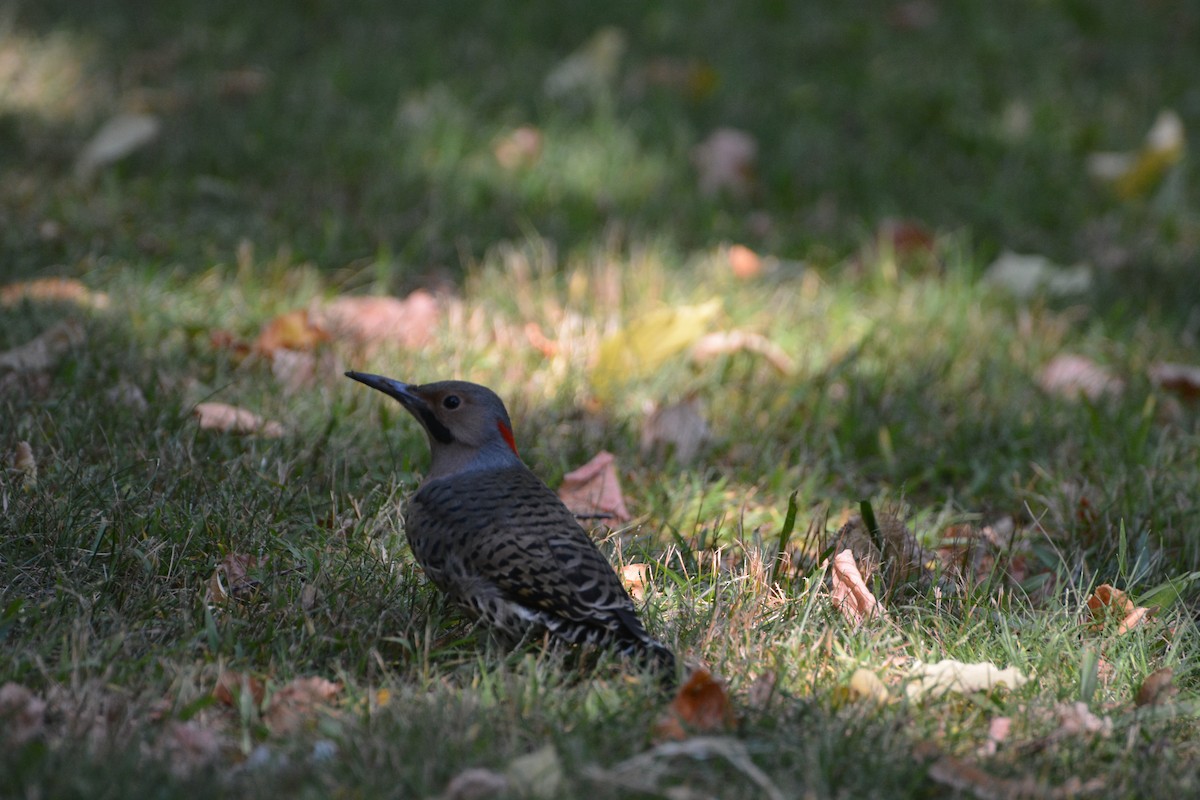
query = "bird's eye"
x=451 y=401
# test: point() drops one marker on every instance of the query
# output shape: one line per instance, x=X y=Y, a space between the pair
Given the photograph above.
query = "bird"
x=492 y=536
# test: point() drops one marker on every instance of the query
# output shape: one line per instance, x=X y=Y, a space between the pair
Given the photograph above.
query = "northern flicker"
x=491 y=535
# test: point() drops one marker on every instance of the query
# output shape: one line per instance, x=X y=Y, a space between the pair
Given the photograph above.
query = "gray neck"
x=456 y=458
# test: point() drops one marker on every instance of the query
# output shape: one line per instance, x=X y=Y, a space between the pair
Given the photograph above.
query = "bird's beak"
x=392 y=388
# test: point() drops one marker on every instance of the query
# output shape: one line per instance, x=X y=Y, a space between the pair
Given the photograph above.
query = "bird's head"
x=467 y=424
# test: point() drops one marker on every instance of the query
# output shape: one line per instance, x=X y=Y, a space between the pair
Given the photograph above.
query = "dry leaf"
x=295 y=330
x=647 y=343
x=726 y=342
x=519 y=148
x=930 y=681
x=43 y=351
x=537 y=775
x=1108 y=605
x=1076 y=718
x=865 y=685
x=679 y=428
x=905 y=238
x=127 y=396
x=850 y=593
x=22 y=714
x=231 y=419
x=594 y=490
x=1029 y=276
x=117 y=138
x=998 y=730
x=476 y=784
x=1182 y=379
x=1071 y=376
x=1157 y=689
x=25 y=465
x=53 y=290
x=232 y=578
x=298 y=703
x=701 y=705
x=636 y=577
x=231 y=686
x=1133 y=175
x=372 y=321
x=744 y=262
x=725 y=162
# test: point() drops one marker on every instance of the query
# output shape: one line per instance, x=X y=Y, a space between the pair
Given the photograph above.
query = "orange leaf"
x=700 y=706
x=232 y=578
x=594 y=490
x=231 y=685
x=295 y=330
x=299 y=702
x=1108 y=604
x=850 y=593
x=1071 y=375
x=381 y=320
x=635 y=578
x=231 y=419
x=744 y=262
x=63 y=290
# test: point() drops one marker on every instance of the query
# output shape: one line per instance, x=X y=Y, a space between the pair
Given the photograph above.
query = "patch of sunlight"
x=47 y=76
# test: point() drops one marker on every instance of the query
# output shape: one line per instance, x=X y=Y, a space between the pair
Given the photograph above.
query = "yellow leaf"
x=647 y=343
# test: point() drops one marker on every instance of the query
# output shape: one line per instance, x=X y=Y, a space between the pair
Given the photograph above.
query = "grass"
x=312 y=150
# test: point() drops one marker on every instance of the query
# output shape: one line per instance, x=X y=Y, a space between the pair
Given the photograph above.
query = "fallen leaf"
x=519 y=148
x=231 y=578
x=1108 y=605
x=1182 y=379
x=298 y=703
x=646 y=343
x=52 y=290
x=701 y=705
x=930 y=681
x=594 y=490
x=865 y=685
x=1076 y=718
x=850 y=593
x=43 y=351
x=1133 y=175
x=117 y=138
x=725 y=161
x=231 y=419
x=1157 y=689
x=126 y=396
x=1028 y=276
x=998 y=730
x=380 y=320
x=295 y=330
x=744 y=262
x=591 y=70
x=636 y=577
x=537 y=775
x=25 y=465
x=727 y=342
x=294 y=369
x=231 y=686
x=476 y=783
x=905 y=238
x=22 y=713
x=679 y=428
x=1071 y=376
x=187 y=747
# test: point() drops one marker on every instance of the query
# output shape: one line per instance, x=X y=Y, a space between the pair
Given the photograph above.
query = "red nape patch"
x=506 y=432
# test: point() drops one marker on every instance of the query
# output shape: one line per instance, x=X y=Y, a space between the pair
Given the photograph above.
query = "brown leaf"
x=680 y=427
x=1157 y=689
x=62 y=290
x=700 y=706
x=1107 y=605
x=520 y=147
x=232 y=685
x=25 y=465
x=232 y=578
x=744 y=262
x=381 y=320
x=298 y=703
x=1076 y=718
x=22 y=714
x=594 y=490
x=295 y=330
x=1071 y=376
x=636 y=577
x=43 y=351
x=1182 y=379
x=231 y=419
x=725 y=342
x=850 y=593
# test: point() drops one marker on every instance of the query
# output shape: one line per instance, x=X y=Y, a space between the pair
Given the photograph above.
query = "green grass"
x=363 y=164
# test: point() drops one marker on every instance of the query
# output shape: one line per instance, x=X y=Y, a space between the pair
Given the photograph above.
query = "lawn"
x=185 y=609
